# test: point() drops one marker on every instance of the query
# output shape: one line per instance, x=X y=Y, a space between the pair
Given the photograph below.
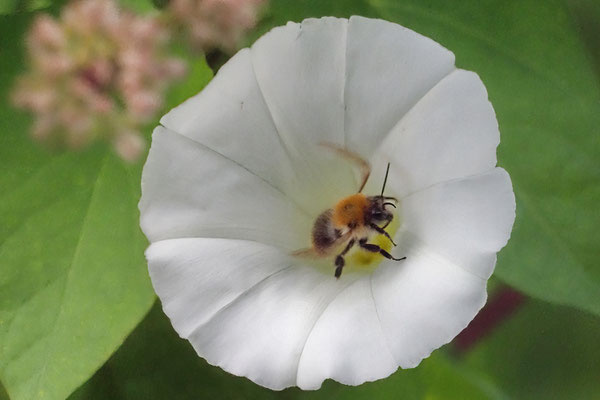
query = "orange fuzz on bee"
x=351 y=219
x=350 y=211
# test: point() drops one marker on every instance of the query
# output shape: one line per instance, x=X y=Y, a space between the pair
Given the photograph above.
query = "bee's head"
x=377 y=211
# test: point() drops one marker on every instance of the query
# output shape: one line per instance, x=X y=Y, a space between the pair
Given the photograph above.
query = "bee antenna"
x=385 y=179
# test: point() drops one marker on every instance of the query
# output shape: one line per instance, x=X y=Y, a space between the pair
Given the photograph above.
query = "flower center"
x=359 y=259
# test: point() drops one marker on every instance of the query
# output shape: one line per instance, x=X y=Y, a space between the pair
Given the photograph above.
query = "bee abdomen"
x=324 y=233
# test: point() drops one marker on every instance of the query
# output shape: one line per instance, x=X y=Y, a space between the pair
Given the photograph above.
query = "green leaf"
x=73 y=278
x=451 y=379
x=73 y=281
x=154 y=363
x=586 y=15
x=544 y=352
x=160 y=4
x=13 y=6
x=139 y=6
x=8 y=6
x=3 y=394
x=541 y=82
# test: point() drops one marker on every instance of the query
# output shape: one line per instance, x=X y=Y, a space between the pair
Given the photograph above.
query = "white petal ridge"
x=197 y=277
x=189 y=190
x=300 y=69
x=244 y=306
x=451 y=132
x=346 y=343
x=423 y=302
x=389 y=69
x=467 y=221
x=235 y=178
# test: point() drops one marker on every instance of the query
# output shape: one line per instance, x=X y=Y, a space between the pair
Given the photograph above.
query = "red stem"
x=503 y=304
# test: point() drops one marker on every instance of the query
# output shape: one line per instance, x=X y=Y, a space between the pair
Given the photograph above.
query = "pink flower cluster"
x=216 y=23
x=97 y=72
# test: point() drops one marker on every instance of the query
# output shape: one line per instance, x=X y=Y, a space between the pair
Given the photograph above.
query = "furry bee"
x=351 y=220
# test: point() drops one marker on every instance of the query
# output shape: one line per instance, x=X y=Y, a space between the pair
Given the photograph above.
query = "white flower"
x=235 y=179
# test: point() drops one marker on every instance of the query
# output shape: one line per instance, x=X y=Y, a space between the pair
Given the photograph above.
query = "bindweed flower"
x=97 y=72
x=215 y=24
x=236 y=178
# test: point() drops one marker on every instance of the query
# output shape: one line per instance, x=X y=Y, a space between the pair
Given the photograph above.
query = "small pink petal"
x=129 y=146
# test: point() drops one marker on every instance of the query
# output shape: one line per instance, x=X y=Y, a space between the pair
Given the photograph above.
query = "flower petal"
x=300 y=69
x=192 y=191
x=450 y=133
x=346 y=343
x=231 y=110
x=466 y=221
x=423 y=302
x=196 y=277
x=389 y=69
x=261 y=334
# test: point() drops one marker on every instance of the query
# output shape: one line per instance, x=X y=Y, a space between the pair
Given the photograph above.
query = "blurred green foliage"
x=156 y=364
x=73 y=281
x=586 y=16
x=543 y=352
x=139 y=6
x=15 y=6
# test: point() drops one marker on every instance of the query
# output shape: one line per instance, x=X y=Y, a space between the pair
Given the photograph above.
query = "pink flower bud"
x=129 y=146
x=216 y=23
x=81 y=87
x=129 y=81
x=174 y=68
x=47 y=32
x=101 y=71
x=132 y=58
x=41 y=101
x=96 y=66
x=100 y=104
x=55 y=64
x=78 y=138
x=42 y=127
x=143 y=105
x=143 y=29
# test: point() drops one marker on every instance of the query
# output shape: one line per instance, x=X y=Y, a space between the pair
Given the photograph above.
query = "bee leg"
x=389 y=220
x=380 y=230
x=339 y=260
x=373 y=248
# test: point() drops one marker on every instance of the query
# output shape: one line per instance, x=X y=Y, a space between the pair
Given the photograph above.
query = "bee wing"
x=351 y=156
x=308 y=253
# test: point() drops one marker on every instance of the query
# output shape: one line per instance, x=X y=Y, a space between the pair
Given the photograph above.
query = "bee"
x=351 y=220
